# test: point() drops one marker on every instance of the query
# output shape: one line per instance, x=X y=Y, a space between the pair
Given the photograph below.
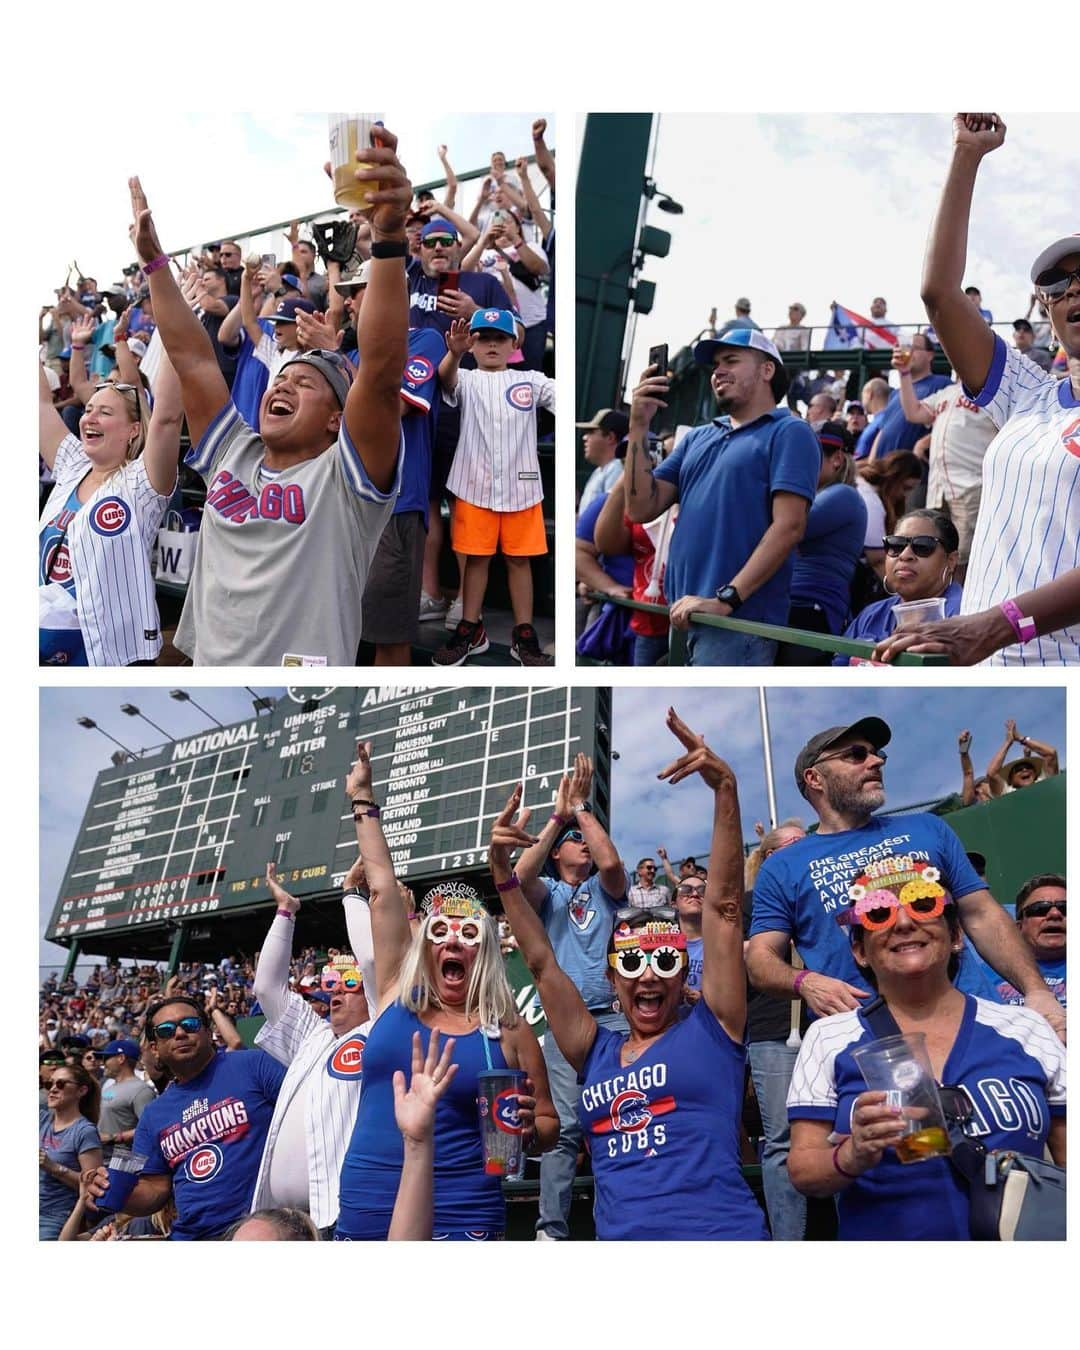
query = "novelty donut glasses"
x=660 y=947
x=456 y=916
x=893 y=884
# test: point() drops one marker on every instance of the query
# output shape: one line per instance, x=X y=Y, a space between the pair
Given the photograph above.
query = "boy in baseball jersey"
x=495 y=478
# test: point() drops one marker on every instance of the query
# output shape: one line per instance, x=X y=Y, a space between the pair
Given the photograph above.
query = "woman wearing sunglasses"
x=450 y=978
x=1022 y=590
x=660 y=1106
x=921 y=556
x=69 y=1145
x=97 y=604
x=1003 y=1066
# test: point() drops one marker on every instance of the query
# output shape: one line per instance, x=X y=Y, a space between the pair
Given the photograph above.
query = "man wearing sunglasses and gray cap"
x=1021 y=601
x=801 y=888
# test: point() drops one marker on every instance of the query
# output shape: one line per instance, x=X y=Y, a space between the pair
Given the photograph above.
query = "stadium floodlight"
x=261 y=702
x=182 y=696
x=91 y=725
x=132 y=711
x=663 y=201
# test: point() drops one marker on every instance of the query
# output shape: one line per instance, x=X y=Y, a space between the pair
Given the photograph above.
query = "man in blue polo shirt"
x=744 y=485
x=575 y=880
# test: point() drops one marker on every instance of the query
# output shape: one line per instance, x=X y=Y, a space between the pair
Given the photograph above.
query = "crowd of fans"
x=355 y=1117
x=936 y=516
x=314 y=463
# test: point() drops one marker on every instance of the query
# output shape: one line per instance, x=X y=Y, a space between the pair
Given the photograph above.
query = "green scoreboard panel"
x=187 y=830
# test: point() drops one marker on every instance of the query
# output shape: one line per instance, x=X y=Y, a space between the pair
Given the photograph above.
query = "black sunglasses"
x=854 y=754
x=1041 y=908
x=165 y=1031
x=955 y=1103
x=922 y=545
x=1056 y=281
x=432 y=240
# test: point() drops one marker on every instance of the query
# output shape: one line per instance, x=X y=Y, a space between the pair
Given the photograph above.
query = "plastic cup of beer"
x=497 y=1103
x=910 y=613
x=900 y=1067
x=124 y=1169
x=350 y=132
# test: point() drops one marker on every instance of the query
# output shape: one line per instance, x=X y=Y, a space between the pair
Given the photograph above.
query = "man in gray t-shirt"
x=124 y=1096
x=293 y=515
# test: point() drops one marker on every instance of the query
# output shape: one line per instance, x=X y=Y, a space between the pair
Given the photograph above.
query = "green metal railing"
x=800 y=637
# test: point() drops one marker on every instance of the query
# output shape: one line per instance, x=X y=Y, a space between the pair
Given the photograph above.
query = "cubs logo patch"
x=630 y=1111
x=418 y=369
x=204 y=1163
x=504 y=1112
x=347 y=1061
x=492 y=315
x=110 y=516
x=1070 y=438
x=520 y=396
x=58 y=563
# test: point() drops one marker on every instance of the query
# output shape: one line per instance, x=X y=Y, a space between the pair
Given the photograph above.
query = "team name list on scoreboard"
x=189 y=829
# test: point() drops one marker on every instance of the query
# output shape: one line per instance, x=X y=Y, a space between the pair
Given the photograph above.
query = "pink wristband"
x=1023 y=627
x=799 y=979
x=286 y=914
x=162 y=260
x=78 y=346
x=559 y=820
x=510 y=884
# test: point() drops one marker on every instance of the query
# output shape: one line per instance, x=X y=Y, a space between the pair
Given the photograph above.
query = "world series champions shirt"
x=209 y=1133
x=663 y=1135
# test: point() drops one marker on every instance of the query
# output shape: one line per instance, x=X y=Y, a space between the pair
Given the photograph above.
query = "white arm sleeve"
x=358 y=927
x=272 y=973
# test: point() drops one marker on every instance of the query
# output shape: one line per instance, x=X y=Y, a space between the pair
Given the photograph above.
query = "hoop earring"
x=885 y=586
x=615 y=1005
x=947 y=576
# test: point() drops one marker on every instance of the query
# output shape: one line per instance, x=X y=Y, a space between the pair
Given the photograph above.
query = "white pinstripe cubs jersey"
x=283 y=556
x=1028 y=530
x=106 y=551
x=495 y=463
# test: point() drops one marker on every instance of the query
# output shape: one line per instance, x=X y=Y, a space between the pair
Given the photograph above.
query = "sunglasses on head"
x=922 y=545
x=1056 y=281
x=115 y=384
x=434 y=239
x=1039 y=909
x=632 y=962
x=165 y=1031
x=854 y=754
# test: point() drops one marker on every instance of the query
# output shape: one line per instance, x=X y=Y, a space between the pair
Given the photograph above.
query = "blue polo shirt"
x=726 y=477
x=830 y=548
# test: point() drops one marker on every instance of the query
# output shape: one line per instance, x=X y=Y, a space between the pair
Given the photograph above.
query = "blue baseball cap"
x=129 y=1049
x=437 y=225
x=705 y=351
x=291 y=279
x=499 y=320
x=287 y=308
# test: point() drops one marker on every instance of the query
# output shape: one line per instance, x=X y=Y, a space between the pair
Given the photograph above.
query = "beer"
x=350 y=132
x=931 y=1142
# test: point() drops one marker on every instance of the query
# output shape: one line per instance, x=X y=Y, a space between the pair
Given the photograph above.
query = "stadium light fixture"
x=663 y=201
x=132 y=711
x=261 y=702
x=91 y=725
x=182 y=696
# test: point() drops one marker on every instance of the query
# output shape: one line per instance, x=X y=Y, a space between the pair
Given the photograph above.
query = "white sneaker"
x=431 y=607
x=453 y=614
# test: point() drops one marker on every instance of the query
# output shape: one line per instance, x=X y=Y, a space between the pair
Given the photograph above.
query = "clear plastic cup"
x=124 y=1169
x=900 y=1067
x=496 y=1101
x=350 y=132
x=909 y=613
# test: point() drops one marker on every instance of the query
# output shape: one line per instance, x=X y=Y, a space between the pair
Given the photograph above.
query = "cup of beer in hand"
x=349 y=133
x=900 y=1067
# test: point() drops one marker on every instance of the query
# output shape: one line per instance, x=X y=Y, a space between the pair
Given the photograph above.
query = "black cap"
x=874 y=729
x=609 y=420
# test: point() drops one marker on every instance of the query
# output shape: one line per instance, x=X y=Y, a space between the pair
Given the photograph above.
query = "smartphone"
x=658 y=358
x=268 y=259
x=448 y=281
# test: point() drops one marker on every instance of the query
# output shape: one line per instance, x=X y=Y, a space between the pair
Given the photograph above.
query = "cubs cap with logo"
x=737 y=337
x=287 y=309
x=438 y=226
x=332 y=366
x=874 y=729
x=498 y=320
x=1050 y=257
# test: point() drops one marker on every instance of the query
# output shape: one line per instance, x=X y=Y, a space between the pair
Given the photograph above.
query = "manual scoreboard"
x=187 y=830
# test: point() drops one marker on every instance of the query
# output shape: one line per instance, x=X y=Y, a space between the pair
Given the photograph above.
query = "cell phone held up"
x=658 y=359
x=448 y=281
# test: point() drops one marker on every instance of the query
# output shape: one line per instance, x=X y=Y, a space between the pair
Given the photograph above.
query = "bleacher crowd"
x=313 y=484
x=937 y=515
x=394 y=1085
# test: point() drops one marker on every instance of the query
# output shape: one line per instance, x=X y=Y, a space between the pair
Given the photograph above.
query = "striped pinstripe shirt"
x=1028 y=531
x=495 y=464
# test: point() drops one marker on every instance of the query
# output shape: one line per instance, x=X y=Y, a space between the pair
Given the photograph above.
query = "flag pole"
x=770 y=786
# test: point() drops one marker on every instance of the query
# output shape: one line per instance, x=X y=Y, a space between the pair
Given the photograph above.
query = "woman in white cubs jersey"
x=113 y=482
x=1022 y=594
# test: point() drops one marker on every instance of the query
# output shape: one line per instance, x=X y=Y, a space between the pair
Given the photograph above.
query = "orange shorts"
x=476 y=531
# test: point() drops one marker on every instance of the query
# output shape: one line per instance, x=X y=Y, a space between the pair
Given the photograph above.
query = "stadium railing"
x=801 y=637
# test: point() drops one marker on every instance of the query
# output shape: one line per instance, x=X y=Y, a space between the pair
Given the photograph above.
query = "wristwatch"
x=728 y=595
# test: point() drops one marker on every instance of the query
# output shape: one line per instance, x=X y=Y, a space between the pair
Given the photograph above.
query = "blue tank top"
x=663 y=1133
x=465 y=1198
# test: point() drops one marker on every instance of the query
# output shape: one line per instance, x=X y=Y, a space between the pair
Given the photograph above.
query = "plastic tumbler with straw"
x=497 y=1093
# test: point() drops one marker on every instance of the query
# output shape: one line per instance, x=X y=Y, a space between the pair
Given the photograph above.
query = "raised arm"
x=222 y=1022
x=187 y=342
x=271 y=986
x=51 y=428
x=669 y=871
x=471 y=261
x=450 y=195
x=646 y=496
x=1047 y=752
x=995 y=765
x=531 y=862
x=161 y=454
x=414 y=1111
x=248 y=313
x=913 y=407
x=545 y=160
x=723 y=977
x=539 y=216
x=569 y=1020
x=82 y=331
x=373 y=407
x=457 y=344
x=966 y=338
x=358 y=927
x=601 y=847
x=967 y=791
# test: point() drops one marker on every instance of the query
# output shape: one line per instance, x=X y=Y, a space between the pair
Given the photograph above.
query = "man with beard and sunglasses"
x=800 y=889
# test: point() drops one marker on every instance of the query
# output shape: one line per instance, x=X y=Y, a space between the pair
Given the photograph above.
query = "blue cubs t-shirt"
x=483 y=290
x=830 y=548
x=1053 y=972
x=726 y=477
x=578 y=920
x=1012 y=1069
x=695 y=948
x=209 y=1134
x=801 y=888
x=54 y=561
x=663 y=1135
